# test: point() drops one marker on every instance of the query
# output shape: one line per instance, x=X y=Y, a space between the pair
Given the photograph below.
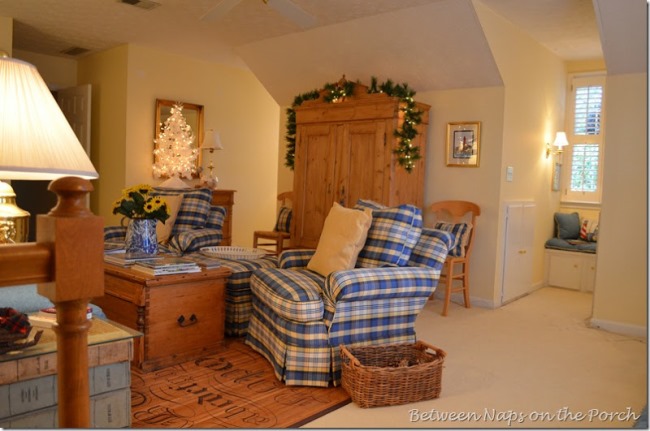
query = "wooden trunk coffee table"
x=182 y=316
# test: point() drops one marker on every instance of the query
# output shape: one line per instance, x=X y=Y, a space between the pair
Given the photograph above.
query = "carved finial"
x=71 y=197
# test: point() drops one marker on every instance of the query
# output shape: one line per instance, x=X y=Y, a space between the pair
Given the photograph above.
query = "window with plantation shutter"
x=582 y=170
x=588 y=106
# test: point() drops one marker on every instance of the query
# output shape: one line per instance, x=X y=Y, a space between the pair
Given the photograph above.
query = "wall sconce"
x=560 y=142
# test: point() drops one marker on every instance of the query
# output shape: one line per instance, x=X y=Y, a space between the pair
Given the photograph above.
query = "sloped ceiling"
x=436 y=46
x=429 y=44
x=624 y=35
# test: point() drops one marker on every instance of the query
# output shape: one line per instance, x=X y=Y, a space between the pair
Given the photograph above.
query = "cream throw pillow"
x=343 y=236
x=173 y=205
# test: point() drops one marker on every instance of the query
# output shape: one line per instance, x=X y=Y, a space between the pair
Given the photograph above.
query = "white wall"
x=621 y=298
x=534 y=104
x=128 y=80
x=57 y=72
x=480 y=185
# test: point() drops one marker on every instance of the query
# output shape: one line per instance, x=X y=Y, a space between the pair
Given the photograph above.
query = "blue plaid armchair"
x=198 y=223
x=300 y=318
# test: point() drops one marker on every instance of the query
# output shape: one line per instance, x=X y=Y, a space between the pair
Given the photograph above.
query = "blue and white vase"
x=141 y=236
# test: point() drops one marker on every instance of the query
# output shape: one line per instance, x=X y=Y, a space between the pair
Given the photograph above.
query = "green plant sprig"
x=407 y=153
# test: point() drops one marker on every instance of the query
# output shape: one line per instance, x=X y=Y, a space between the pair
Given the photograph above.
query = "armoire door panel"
x=313 y=190
x=358 y=162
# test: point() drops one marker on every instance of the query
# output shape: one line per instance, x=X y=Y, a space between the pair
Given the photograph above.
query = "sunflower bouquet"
x=137 y=202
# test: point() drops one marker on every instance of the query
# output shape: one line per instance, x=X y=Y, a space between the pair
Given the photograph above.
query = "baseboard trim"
x=619 y=328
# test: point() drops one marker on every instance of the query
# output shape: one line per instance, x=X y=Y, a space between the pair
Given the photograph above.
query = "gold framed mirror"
x=193 y=115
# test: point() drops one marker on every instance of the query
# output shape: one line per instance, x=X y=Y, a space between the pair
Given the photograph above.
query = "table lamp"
x=66 y=262
x=36 y=142
x=212 y=142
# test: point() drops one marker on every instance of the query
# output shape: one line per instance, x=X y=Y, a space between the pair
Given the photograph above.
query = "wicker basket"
x=390 y=375
x=234 y=253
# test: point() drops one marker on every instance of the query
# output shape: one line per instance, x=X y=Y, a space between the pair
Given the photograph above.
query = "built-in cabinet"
x=518 y=250
x=571 y=270
x=344 y=152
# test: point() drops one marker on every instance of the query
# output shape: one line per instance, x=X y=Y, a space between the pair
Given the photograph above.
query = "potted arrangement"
x=144 y=210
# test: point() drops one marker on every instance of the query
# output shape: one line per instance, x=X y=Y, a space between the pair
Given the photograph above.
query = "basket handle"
x=354 y=362
x=422 y=345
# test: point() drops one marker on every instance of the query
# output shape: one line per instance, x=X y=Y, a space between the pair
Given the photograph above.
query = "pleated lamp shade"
x=36 y=141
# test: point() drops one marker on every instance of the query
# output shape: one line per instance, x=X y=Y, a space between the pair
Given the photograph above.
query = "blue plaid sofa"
x=300 y=318
x=198 y=223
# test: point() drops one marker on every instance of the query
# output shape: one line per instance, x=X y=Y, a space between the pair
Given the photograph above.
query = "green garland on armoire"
x=407 y=153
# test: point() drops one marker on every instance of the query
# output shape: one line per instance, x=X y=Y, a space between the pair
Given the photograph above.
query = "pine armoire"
x=344 y=152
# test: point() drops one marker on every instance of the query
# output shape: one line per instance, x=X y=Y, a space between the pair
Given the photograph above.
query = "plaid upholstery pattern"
x=300 y=353
x=431 y=249
x=296 y=258
x=114 y=233
x=367 y=203
x=216 y=216
x=238 y=292
x=294 y=295
x=360 y=306
x=391 y=237
x=192 y=240
x=193 y=213
x=460 y=232
x=380 y=283
x=283 y=223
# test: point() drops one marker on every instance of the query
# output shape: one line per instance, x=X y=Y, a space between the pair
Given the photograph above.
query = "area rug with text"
x=232 y=388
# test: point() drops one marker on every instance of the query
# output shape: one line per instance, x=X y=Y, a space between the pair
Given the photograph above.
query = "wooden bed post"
x=67 y=263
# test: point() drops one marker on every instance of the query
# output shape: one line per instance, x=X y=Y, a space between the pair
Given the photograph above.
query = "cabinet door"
x=565 y=271
x=361 y=165
x=312 y=182
x=518 y=251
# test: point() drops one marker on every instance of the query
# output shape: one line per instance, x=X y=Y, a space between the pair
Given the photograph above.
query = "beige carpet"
x=533 y=363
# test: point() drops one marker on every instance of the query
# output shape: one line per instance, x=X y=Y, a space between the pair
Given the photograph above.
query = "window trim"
x=566 y=195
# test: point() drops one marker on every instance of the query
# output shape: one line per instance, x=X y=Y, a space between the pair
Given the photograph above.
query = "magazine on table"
x=167 y=262
x=127 y=259
x=204 y=261
x=166 y=271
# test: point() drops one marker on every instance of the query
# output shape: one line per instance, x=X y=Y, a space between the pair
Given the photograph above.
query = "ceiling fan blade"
x=293 y=12
x=220 y=10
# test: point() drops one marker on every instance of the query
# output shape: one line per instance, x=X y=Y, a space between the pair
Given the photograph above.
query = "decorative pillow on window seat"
x=567 y=225
x=589 y=230
x=344 y=234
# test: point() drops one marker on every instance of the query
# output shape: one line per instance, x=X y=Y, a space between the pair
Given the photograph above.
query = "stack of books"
x=128 y=259
x=166 y=265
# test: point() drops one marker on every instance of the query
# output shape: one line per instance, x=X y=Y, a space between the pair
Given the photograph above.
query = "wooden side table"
x=182 y=316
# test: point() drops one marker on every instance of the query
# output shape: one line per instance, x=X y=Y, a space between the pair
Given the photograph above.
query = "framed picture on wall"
x=463 y=144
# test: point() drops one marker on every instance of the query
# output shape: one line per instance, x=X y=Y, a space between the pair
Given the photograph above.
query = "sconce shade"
x=36 y=141
x=560 y=140
x=212 y=141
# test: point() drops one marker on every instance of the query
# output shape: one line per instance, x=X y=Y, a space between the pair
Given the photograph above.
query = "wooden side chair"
x=277 y=237
x=452 y=216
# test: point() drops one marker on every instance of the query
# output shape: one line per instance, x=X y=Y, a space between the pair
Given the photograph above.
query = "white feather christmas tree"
x=174 y=155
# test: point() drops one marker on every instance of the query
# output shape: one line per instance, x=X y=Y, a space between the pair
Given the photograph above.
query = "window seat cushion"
x=571 y=245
